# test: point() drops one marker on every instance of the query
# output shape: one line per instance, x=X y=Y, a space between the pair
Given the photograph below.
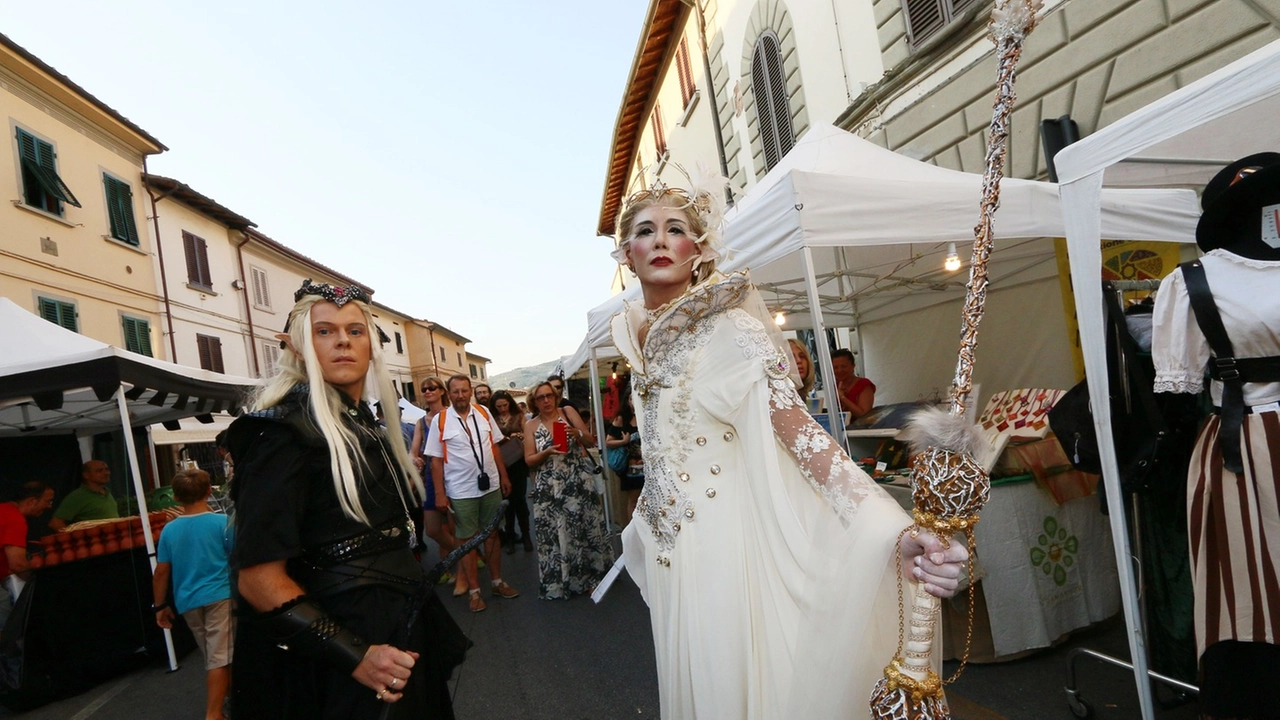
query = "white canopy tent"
x=843 y=232
x=55 y=381
x=1205 y=125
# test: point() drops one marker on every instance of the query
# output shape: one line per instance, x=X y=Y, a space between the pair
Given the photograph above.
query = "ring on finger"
x=381 y=692
x=394 y=680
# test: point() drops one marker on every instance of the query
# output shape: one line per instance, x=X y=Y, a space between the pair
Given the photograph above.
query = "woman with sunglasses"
x=435 y=523
x=568 y=517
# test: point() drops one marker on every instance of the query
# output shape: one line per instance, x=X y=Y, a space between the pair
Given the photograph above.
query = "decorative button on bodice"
x=684 y=477
x=701 y=441
x=728 y=436
x=711 y=492
x=715 y=469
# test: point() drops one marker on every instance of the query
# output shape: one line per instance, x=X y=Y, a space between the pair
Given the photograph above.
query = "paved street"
x=537 y=660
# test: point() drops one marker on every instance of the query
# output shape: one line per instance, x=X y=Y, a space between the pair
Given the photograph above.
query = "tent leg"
x=1085 y=258
x=134 y=470
x=155 y=467
x=824 y=352
x=597 y=403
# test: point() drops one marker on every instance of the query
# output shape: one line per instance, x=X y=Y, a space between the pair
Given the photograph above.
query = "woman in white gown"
x=765 y=555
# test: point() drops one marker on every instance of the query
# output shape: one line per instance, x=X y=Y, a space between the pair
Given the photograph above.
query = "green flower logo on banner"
x=1055 y=551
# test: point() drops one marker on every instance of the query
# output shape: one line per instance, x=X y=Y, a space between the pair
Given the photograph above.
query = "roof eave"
x=635 y=100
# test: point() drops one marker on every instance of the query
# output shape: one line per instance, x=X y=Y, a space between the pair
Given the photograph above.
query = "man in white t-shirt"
x=471 y=480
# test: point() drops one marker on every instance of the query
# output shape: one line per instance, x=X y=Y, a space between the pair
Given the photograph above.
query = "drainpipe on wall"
x=435 y=368
x=164 y=278
x=248 y=314
x=711 y=93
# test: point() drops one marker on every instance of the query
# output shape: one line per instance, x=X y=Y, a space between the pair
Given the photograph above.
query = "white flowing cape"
x=765 y=555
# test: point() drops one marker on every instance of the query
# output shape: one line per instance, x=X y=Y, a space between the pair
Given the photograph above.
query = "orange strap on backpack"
x=444 y=448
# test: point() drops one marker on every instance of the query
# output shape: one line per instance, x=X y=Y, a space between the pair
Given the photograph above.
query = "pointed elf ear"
x=286 y=341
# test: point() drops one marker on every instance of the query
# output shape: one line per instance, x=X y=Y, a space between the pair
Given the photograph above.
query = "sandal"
x=477 y=603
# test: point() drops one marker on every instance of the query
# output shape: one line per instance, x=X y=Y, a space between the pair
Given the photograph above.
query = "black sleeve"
x=272 y=478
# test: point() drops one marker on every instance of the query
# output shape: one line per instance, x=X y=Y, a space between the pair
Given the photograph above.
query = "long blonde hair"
x=292 y=370
x=807 y=380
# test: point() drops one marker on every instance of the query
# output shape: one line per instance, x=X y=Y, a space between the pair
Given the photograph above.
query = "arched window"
x=769 y=82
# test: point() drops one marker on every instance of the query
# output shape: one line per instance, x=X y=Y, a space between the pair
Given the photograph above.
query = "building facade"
x=73 y=237
x=92 y=241
x=915 y=76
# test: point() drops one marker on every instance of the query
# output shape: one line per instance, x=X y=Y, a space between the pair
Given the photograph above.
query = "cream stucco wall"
x=68 y=257
x=196 y=310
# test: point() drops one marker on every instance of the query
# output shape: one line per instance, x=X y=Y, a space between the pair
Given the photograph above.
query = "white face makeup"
x=663 y=251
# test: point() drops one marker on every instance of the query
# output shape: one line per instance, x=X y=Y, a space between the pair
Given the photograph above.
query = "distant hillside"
x=523 y=378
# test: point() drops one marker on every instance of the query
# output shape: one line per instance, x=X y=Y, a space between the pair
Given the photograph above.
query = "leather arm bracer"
x=301 y=627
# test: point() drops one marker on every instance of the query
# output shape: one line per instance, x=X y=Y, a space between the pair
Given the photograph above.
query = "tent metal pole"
x=834 y=412
x=155 y=467
x=132 y=452
x=1085 y=258
x=597 y=402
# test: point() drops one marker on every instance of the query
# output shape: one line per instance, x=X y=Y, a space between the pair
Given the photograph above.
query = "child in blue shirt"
x=193 y=551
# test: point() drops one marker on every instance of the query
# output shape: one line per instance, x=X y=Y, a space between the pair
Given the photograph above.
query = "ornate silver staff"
x=948 y=485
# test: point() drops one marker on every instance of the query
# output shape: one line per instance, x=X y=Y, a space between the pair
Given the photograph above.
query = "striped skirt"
x=1234 y=529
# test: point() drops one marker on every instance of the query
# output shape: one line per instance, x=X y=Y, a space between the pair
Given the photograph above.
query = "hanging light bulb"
x=952 y=263
x=615 y=371
x=780 y=318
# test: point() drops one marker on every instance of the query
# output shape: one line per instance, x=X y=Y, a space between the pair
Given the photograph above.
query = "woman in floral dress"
x=568 y=517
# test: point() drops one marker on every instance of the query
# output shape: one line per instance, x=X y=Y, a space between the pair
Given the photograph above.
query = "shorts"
x=473 y=514
x=215 y=632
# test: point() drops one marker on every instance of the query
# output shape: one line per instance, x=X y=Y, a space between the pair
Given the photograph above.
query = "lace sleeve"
x=820 y=459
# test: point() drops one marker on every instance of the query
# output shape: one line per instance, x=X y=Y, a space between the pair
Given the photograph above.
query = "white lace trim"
x=1168 y=383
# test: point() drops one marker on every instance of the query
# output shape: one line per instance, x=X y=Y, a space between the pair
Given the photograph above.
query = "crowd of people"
x=767 y=558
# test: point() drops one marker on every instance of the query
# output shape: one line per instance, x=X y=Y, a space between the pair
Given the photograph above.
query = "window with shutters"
x=41 y=187
x=459 y=359
x=197 y=252
x=769 y=82
x=407 y=391
x=399 y=343
x=59 y=312
x=137 y=335
x=120 y=210
x=474 y=373
x=927 y=18
x=270 y=356
x=659 y=134
x=210 y=349
x=261 y=291
x=684 y=69
x=443 y=358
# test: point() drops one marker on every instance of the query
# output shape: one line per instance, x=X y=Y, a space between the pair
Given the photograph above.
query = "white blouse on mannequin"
x=1246 y=294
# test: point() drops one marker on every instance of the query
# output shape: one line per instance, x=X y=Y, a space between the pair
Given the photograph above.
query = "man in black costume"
x=325 y=575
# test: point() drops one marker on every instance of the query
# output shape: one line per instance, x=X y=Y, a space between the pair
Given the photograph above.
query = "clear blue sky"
x=451 y=155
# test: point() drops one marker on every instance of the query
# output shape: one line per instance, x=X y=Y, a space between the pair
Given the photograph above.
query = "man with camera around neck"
x=471 y=480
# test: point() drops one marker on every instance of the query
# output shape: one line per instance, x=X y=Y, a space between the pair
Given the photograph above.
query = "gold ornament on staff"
x=948 y=485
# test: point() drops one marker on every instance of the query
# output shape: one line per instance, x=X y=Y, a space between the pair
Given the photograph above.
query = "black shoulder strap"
x=1223 y=363
x=1206 y=311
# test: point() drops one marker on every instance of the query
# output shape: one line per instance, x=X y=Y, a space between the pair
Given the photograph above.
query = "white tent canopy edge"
x=1081 y=167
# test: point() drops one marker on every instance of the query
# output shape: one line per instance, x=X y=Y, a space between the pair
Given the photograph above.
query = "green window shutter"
x=120 y=210
x=59 y=313
x=40 y=175
x=137 y=336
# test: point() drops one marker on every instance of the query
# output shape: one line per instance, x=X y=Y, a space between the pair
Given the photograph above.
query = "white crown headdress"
x=704 y=195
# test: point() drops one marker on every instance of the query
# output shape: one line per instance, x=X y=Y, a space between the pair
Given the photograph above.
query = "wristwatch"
x=161 y=606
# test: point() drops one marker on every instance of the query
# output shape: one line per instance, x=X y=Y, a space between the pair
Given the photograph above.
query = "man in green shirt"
x=91 y=501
